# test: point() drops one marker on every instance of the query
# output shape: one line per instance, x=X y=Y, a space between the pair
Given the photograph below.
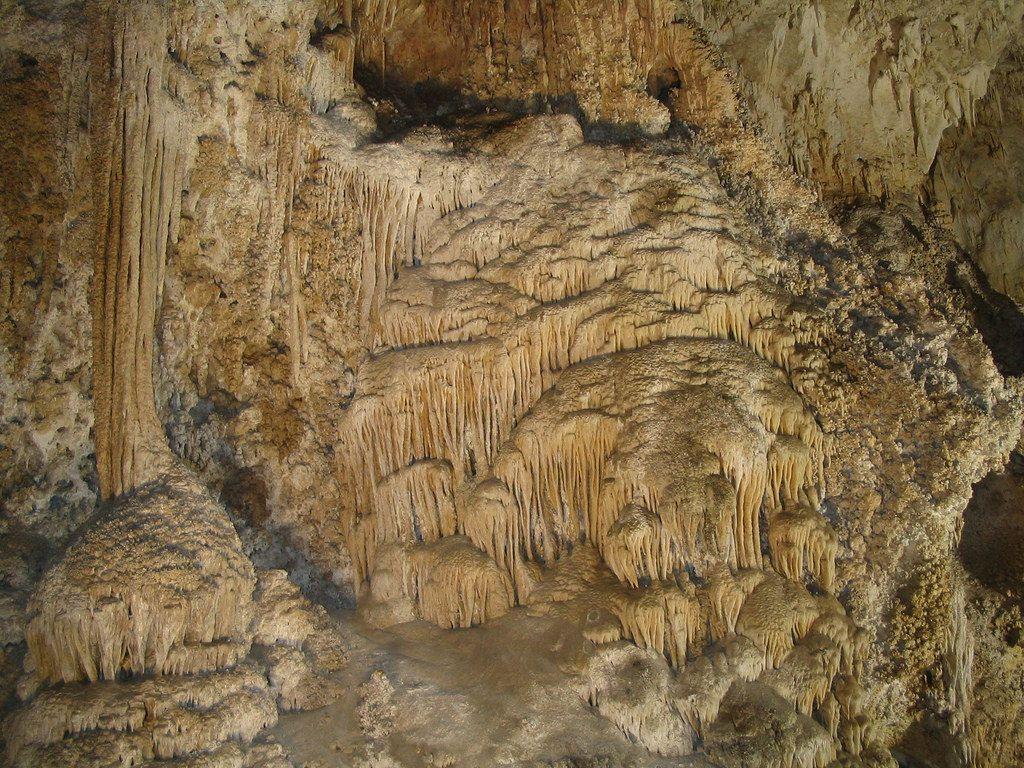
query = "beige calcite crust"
x=156 y=583
x=47 y=480
x=160 y=718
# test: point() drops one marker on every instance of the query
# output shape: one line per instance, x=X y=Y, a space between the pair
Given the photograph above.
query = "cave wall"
x=858 y=95
x=210 y=248
x=49 y=476
x=976 y=179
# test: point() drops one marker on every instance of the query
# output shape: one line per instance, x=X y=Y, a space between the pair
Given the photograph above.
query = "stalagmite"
x=301 y=646
x=161 y=717
x=96 y=615
x=152 y=604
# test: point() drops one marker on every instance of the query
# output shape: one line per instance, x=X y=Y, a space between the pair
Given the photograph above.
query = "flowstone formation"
x=621 y=381
x=533 y=383
x=590 y=351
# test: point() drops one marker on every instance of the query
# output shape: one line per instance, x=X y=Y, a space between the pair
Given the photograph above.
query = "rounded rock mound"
x=157 y=582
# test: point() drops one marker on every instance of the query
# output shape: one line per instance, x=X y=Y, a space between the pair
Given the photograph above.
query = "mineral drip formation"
x=614 y=374
x=139 y=635
x=581 y=348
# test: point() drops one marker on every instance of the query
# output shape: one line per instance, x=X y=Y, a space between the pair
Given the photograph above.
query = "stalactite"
x=455 y=409
x=700 y=689
x=661 y=617
x=413 y=504
x=775 y=615
x=140 y=162
x=606 y=303
x=632 y=387
x=853 y=734
x=727 y=592
x=828 y=711
x=280 y=152
x=851 y=641
x=661 y=548
x=395 y=212
x=635 y=547
x=554 y=478
x=329 y=70
x=420 y=501
x=806 y=674
x=451 y=582
x=801 y=538
x=959 y=666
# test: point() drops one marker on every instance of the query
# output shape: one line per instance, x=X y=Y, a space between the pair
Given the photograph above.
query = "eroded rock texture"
x=527 y=383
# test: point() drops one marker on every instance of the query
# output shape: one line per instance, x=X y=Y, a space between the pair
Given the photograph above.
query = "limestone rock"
x=617 y=373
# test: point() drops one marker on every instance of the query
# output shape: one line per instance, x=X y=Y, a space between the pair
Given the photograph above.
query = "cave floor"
x=490 y=695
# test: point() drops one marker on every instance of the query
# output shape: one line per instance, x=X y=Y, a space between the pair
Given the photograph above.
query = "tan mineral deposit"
x=523 y=383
